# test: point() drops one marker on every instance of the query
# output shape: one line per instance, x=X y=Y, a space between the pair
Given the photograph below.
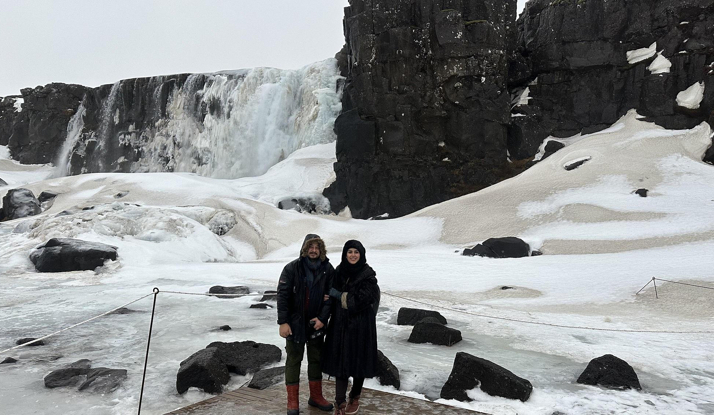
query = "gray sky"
x=94 y=42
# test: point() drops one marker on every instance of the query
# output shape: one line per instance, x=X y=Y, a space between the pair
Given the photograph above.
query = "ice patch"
x=660 y=65
x=639 y=55
x=692 y=96
x=18 y=104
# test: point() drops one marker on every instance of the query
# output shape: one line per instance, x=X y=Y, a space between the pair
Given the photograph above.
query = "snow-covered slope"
x=601 y=244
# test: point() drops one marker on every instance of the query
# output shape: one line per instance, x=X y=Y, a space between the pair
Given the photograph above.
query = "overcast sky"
x=94 y=42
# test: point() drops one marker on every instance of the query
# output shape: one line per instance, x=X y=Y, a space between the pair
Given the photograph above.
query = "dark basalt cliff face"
x=573 y=59
x=426 y=116
x=426 y=106
x=37 y=130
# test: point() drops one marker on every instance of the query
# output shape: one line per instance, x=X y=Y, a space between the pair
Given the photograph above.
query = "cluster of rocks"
x=429 y=327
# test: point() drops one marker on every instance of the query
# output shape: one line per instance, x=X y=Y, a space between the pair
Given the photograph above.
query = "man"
x=303 y=310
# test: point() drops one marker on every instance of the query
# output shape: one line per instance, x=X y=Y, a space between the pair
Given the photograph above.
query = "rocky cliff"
x=585 y=63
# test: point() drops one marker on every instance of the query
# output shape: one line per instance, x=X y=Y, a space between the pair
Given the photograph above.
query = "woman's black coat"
x=351 y=342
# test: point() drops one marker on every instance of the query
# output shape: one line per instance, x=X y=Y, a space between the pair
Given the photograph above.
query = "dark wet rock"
x=65 y=377
x=430 y=319
x=575 y=164
x=8 y=360
x=237 y=290
x=88 y=208
x=225 y=327
x=470 y=371
x=103 y=380
x=641 y=192
x=611 y=372
x=266 y=378
x=80 y=364
x=426 y=106
x=261 y=305
x=506 y=287
x=29 y=339
x=19 y=203
x=434 y=333
x=269 y=296
x=247 y=356
x=387 y=373
x=65 y=254
x=411 y=316
x=121 y=194
x=551 y=147
x=125 y=310
x=507 y=247
x=536 y=252
x=3 y=182
x=45 y=196
x=202 y=370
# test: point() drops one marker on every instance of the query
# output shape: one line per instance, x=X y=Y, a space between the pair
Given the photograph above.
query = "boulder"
x=641 y=192
x=430 y=319
x=508 y=247
x=203 y=370
x=247 y=356
x=29 y=339
x=19 y=203
x=387 y=373
x=45 y=196
x=103 y=380
x=411 y=316
x=611 y=372
x=225 y=327
x=470 y=371
x=69 y=376
x=237 y=290
x=551 y=147
x=267 y=377
x=434 y=333
x=65 y=254
x=261 y=305
x=8 y=360
x=269 y=296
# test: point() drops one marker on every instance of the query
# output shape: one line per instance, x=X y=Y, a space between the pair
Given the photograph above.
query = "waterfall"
x=74 y=130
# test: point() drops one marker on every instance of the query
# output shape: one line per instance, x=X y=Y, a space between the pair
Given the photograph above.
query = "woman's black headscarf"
x=352 y=269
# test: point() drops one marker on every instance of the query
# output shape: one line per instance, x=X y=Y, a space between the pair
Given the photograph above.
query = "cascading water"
x=224 y=125
x=74 y=130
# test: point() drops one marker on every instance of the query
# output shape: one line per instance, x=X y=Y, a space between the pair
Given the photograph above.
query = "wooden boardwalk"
x=248 y=401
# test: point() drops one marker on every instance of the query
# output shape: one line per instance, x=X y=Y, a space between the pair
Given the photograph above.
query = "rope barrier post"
x=148 y=344
x=648 y=283
x=654 y=281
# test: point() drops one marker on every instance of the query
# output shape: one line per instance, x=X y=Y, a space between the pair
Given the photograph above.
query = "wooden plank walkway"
x=248 y=401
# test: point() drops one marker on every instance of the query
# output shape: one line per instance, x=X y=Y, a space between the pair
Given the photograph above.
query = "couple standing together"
x=311 y=295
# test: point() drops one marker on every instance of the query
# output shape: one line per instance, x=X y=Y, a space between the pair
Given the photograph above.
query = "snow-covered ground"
x=601 y=244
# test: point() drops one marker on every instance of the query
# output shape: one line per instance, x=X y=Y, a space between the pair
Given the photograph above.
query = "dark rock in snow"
x=306 y=204
x=237 y=290
x=121 y=194
x=269 y=296
x=641 y=192
x=267 y=377
x=29 y=339
x=203 y=370
x=508 y=247
x=261 y=305
x=551 y=147
x=125 y=310
x=247 y=356
x=572 y=165
x=470 y=371
x=8 y=360
x=611 y=372
x=19 y=203
x=411 y=316
x=65 y=254
x=3 y=182
x=536 y=252
x=225 y=328
x=430 y=319
x=506 y=287
x=45 y=196
x=103 y=380
x=65 y=377
x=387 y=373
x=434 y=333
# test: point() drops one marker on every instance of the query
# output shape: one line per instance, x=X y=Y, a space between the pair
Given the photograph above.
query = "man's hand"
x=325 y=298
x=285 y=330
x=318 y=323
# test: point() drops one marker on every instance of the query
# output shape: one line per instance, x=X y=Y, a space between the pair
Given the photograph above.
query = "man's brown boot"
x=352 y=406
x=316 y=398
x=293 y=399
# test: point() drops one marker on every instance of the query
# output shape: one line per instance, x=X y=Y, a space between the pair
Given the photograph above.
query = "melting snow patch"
x=660 y=64
x=692 y=96
x=639 y=55
x=18 y=104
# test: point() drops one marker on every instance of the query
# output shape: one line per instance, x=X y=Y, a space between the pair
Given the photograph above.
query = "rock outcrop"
x=426 y=106
x=573 y=60
x=470 y=371
x=66 y=254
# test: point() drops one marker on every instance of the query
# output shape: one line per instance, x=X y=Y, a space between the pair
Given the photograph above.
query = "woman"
x=351 y=342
